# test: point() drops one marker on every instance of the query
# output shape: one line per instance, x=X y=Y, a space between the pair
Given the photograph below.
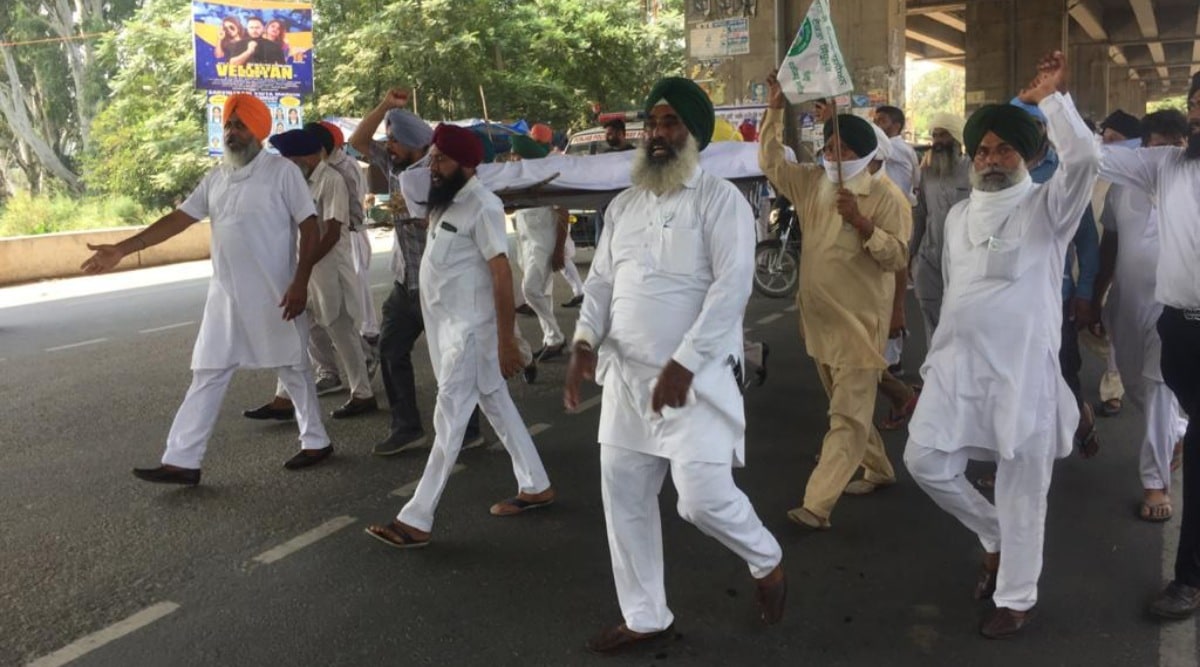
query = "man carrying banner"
x=854 y=228
x=258 y=203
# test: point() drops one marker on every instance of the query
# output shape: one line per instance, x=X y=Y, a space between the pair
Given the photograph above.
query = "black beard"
x=399 y=164
x=613 y=143
x=650 y=146
x=442 y=193
x=1192 y=152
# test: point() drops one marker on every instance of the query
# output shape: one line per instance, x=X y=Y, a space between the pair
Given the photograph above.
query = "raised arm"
x=1069 y=191
x=790 y=179
x=361 y=138
x=1137 y=168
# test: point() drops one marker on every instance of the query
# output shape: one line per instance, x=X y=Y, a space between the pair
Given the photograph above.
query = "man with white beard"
x=1129 y=247
x=856 y=229
x=258 y=203
x=1172 y=177
x=663 y=308
x=992 y=387
x=945 y=181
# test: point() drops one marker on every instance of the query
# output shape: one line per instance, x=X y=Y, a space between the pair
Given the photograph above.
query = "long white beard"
x=1011 y=178
x=239 y=159
x=665 y=177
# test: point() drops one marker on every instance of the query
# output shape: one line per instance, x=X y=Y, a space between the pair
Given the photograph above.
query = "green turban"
x=856 y=133
x=527 y=148
x=690 y=102
x=1012 y=124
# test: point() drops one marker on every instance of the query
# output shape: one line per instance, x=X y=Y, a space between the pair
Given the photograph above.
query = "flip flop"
x=1089 y=444
x=1156 y=512
x=1111 y=407
x=395 y=535
x=517 y=505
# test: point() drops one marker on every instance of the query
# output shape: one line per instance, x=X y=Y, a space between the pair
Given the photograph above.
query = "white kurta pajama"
x=460 y=329
x=992 y=387
x=537 y=232
x=1131 y=317
x=333 y=296
x=255 y=212
x=670 y=280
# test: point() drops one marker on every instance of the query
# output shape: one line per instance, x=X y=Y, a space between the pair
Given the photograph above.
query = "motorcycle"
x=777 y=259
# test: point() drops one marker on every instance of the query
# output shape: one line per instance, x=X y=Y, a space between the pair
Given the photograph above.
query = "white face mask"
x=850 y=168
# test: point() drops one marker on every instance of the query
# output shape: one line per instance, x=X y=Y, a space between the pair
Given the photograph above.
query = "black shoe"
x=573 y=303
x=529 y=375
x=525 y=310
x=897 y=370
x=165 y=475
x=400 y=443
x=355 y=407
x=307 y=457
x=269 y=412
x=1177 y=601
x=549 y=352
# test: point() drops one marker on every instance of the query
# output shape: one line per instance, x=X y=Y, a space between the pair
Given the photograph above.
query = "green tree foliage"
x=943 y=89
x=143 y=132
x=544 y=60
x=148 y=141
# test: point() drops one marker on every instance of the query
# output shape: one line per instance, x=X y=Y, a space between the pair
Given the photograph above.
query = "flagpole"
x=837 y=133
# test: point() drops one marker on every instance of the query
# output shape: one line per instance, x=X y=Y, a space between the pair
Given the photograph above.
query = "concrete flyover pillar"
x=1005 y=39
x=1125 y=93
x=1090 y=74
x=871 y=34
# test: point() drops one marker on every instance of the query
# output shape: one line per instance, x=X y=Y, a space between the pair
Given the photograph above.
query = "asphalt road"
x=88 y=552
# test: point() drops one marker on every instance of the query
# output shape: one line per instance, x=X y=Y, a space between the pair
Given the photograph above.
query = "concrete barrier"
x=27 y=258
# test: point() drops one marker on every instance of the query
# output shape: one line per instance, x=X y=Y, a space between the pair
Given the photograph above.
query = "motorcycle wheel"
x=776 y=270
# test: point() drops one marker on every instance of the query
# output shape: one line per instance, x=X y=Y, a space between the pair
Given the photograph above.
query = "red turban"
x=339 y=139
x=251 y=111
x=459 y=144
x=542 y=133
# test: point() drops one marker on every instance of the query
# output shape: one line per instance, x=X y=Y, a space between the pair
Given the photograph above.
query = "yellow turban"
x=723 y=130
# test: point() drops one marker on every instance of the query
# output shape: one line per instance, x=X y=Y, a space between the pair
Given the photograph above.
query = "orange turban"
x=338 y=138
x=542 y=133
x=251 y=111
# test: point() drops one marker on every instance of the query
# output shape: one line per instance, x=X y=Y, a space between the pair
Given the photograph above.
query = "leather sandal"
x=620 y=638
x=396 y=534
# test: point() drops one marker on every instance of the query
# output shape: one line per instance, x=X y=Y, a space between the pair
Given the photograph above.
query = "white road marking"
x=300 y=541
x=379 y=285
x=74 y=345
x=770 y=318
x=746 y=330
x=538 y=428
x=1176 y=639
x=167 y=327
x=408 y=489
x=790 y=309
x=90 y=643
x=587 y=405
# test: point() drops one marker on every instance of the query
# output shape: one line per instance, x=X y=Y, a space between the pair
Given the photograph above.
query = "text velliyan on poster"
x=254 y=46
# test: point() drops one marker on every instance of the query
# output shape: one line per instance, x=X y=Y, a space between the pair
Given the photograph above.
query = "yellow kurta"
x=846 y=282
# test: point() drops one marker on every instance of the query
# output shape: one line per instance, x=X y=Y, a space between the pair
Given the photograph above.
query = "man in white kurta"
x=663 y=308
x=333 y=287
x=258 y=204
x=992 y=386
x=541 y=233
x=466 y=302
x=1130 y=317
x=1172 y=177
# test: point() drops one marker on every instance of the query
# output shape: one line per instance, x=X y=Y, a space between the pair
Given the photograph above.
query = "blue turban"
x=296 y=143
x=406 y=128
x=1031 y=109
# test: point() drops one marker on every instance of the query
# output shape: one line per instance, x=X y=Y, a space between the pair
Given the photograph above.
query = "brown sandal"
x=396 y=534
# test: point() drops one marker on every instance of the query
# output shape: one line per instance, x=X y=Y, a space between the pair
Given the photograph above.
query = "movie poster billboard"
x=287 y=113
x=258 y=46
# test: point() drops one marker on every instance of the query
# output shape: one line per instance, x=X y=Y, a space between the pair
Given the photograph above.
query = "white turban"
x=884 y=152
x=950 y=123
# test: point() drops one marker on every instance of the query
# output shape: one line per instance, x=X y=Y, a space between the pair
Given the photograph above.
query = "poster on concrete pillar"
x=813 y=67
x=719 y=39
